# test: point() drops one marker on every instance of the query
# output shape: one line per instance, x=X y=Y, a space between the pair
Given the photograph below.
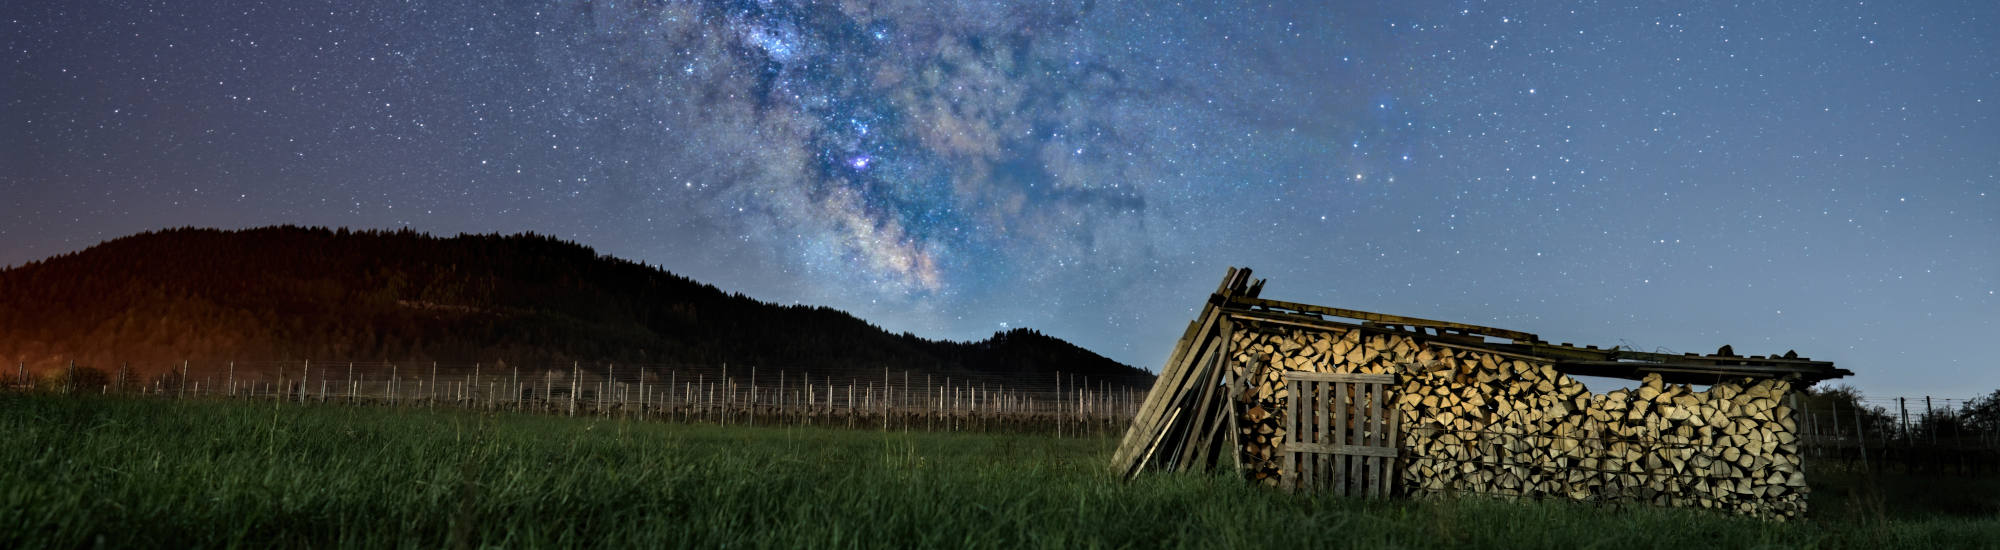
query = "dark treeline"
x=288 y=293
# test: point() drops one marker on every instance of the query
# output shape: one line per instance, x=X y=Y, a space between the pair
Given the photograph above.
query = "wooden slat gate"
x=1341 y=433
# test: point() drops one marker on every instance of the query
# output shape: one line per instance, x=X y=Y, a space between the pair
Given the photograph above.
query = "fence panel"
x=1340 y=433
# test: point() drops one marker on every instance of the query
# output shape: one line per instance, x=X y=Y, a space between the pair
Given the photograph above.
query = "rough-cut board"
x=1343 y=433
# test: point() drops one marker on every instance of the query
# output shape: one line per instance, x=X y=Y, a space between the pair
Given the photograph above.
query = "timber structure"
x=1361 y=403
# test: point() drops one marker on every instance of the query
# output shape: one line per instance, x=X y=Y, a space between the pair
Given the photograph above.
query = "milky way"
x=1773 y=176
x=896 y=149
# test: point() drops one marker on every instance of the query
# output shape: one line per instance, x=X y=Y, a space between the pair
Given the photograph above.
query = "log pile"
x=1483 y=423
x=1479 y=420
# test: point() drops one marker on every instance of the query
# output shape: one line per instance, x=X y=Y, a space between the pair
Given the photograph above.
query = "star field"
x=1772 y=175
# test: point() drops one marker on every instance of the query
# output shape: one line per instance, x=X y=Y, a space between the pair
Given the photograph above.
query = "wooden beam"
x=1515 y=335
x=1695 y=373
x=1341 y=377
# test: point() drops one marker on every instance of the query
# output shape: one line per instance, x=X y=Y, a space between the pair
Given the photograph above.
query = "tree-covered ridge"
x=314 y=293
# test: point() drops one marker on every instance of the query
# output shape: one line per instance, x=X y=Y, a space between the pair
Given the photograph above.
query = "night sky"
x=1815 y=176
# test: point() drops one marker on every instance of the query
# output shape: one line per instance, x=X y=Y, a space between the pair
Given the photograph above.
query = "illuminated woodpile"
x=1477 y=417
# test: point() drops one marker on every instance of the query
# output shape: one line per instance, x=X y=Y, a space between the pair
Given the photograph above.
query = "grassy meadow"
x=124 y=473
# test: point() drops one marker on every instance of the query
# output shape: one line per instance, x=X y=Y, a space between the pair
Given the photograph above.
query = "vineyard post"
x=474 y=387
x=394 y=382
x=121 y=376
x=516 y=378
x=1903 y=405
x=305 y=378
x=1861 y=438
x=352 y=390
x=432 y=400
x=753 y=395
x=1928 y=419
x=232 y=378
x=21 y=373
x=1957 y=444
x=1801 y=419
x=610 y=385
x=181 y=392
x=575 y=384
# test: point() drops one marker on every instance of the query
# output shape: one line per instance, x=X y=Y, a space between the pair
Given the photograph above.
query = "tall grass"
x=136 y=473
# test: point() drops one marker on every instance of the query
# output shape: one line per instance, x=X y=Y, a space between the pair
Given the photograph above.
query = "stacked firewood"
x=1482 y=422
x=1261 y=359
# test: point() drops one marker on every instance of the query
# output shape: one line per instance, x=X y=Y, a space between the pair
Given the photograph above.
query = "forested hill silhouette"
x=288 y=293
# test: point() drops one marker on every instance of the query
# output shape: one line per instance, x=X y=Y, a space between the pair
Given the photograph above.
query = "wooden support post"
x=575 y=384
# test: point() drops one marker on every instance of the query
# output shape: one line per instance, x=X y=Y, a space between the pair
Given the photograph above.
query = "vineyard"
x=900 y=400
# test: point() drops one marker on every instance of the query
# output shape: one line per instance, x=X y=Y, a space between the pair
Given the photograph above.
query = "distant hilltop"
x=291 y=293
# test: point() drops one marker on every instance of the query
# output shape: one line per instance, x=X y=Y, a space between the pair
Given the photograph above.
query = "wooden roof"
x=1612 y=362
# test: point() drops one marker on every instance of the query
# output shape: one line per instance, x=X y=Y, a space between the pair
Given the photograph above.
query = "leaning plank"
x=1216 y=359
x=1184 y=373
x=1181 y=396
x=1156 y=441
x=1166 y=389
x=1144 y=422
x=1155 y=404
